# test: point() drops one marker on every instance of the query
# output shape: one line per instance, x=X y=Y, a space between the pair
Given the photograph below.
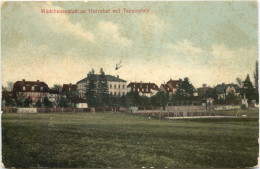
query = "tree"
x=256 y=81
x=160 y=99
x=63 y=102
x=185 y=90
x=239 y=82
x=231 y=96
x=248 y=89
x=91 y=90
x=9 y=102
x=20 y=100
x=103 y=92
x=27 y=102
x=38 y=103
x=57 y=87
x=10 y=86
x=47 y=102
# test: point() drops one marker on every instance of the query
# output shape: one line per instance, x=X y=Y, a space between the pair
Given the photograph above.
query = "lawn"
x=128 y=141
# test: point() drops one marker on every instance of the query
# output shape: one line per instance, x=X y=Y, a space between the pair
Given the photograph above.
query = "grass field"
x=123 y=140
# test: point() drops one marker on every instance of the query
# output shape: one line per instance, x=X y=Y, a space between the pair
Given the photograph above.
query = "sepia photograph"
x=129 y=84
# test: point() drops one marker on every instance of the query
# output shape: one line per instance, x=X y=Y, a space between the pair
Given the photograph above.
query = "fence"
x=60 y=110
x=175 y=111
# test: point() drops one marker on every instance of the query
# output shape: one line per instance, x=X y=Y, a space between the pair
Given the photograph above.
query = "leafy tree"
x=38 y=103
x=9 y=102
x=231 y=96
x=160 y=99
x=47 y=102
x=63 y=102
x=91 y=90
x=185 y=90
x=27 y=102
x=248 y=89
x=57 y=87
x=103 y=92
x=20 y=100
x=71 y=97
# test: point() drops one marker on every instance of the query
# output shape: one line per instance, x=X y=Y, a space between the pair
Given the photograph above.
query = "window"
x=32 y=88
x=110 y=86
x=123 y=86
x=118 y=93
x=41 y=89
x=114 y=93
x=123 y=93
x=114 y=86
x=24 y=88
x=118 y=86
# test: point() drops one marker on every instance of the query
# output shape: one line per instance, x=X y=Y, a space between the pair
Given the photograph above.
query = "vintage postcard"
x=129 y=84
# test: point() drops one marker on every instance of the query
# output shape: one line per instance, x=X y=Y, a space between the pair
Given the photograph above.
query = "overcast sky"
x=209 y=42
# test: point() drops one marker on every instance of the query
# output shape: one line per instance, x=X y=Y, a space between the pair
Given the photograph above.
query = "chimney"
x=38 y=81
x=117 y=76
x=23 y=80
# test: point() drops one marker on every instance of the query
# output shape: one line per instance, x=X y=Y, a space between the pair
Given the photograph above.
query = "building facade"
x=116 y=86
x=35 y=90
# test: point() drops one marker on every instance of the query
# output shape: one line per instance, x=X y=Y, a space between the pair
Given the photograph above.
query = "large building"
x=143 y=89
x=116 y=86
x=33 y=89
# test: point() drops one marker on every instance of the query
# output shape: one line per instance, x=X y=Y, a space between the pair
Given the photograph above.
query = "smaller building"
x=81 y=103
x=170 y=87
x=66 y=88
x=223 y=90
x=143 y=89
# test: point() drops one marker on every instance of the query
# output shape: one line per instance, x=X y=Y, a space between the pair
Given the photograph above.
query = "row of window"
x=36 y=94
x=32 y=88
x=117 y=94
x=123 y=86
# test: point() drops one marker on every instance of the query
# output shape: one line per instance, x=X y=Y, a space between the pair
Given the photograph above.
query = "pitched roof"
x=108 y=77
x=30 y=86
x=221 y=88
x=69 y=87
x=142 y=87
x=173 y=84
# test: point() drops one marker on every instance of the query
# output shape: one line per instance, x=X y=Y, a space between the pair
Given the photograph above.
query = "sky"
x=208 y=42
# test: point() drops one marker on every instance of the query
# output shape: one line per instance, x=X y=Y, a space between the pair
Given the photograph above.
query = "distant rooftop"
x=108 y=77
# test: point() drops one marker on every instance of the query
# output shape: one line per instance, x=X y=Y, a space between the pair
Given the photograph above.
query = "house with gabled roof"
x=36 y=90
x=170 y=87
x=143 y=89
x=222 y=90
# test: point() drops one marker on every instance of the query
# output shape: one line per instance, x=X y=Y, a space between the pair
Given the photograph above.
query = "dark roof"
x=142 y=87
x=69 y=87
x=221 y=88
x=80 y=100
x=108 y=77
x=170 y=85
x=173 y=84
x=38 y=86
